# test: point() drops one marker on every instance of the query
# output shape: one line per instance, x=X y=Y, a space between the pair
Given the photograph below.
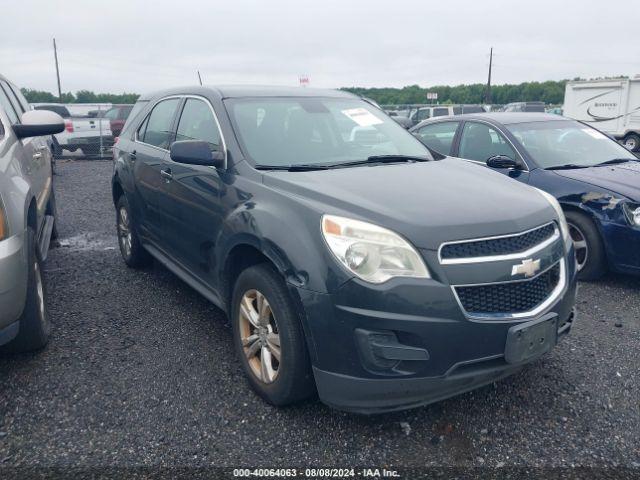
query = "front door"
x=190 y=198
x=480 y=141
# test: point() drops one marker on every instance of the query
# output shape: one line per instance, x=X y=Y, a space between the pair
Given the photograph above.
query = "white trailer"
x=612 y=106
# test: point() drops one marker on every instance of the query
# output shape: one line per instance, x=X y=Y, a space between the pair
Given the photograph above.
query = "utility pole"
x=199 y=77
x=487 y=94
x=55 y=54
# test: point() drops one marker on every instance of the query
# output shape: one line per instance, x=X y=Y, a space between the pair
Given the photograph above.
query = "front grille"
x=498 y=246
x=510 y=297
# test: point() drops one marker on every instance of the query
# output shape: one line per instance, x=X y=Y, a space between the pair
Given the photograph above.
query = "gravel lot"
x=140 y=371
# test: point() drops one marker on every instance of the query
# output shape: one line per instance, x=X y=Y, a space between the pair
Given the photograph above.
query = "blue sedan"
x=596 y=180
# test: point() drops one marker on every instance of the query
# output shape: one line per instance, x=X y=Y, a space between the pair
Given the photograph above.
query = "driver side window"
x=480 y=142
x=197 y=123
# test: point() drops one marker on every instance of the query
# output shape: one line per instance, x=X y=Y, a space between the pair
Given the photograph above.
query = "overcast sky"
x=137 y=46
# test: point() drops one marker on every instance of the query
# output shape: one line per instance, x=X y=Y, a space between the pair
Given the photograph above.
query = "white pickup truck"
x=92 y=136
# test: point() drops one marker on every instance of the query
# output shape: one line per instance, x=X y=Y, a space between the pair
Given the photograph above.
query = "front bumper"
x=13 y=279
x=621 y=244
x=431 y=350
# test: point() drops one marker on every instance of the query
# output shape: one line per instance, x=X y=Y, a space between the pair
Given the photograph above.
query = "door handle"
x=166 y=174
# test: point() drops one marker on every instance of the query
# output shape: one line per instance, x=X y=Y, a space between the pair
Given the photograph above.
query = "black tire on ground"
x=632 y=142
x=596 y=262
x=35 y=327
x=133 y=253
x=52 y=210
x=294 y=381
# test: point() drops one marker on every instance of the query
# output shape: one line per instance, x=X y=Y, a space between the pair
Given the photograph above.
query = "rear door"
x=146 y=156
x=190 y=197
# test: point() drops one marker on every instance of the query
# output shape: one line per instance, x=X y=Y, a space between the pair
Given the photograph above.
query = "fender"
x=299 y=254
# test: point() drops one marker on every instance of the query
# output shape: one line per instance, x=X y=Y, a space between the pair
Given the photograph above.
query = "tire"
x=35 y=327
x=293 y=379
x=132 y=251
x=594 y=262
x=632 y=142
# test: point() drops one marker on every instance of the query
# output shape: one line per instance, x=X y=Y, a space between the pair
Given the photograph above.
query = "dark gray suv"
x=350 y=260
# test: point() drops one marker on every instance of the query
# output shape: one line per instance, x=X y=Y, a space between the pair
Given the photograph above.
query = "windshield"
x=307 y=131
x=556 y=143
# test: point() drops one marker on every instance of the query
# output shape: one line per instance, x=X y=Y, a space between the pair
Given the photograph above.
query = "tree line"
x=550 y=92
x=81 y=96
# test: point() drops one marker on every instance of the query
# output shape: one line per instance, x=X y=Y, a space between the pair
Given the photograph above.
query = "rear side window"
x=135 y=111
x=158 y=125
x=7 y=106
x=441 y=112
x=439 y=136
x=198 y=123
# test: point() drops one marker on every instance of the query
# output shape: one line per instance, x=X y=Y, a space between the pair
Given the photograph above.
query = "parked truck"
x=612 y=106
x=92 y=136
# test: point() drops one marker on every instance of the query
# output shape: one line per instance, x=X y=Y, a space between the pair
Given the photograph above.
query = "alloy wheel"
x=580 y=245
x=631 y=144
x=259 y=335
x=39 y=292
x=124 y=232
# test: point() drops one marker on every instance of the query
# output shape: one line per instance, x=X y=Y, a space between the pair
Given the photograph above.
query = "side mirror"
x=502 y=161
x=196 y=152
x=36 y=123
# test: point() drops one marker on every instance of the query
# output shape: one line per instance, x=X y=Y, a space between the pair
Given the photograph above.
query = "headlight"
x=632 y=211
x=564 y=228
x=372 y=253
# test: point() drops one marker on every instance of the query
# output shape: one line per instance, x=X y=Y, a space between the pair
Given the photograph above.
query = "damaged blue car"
x=596 y=180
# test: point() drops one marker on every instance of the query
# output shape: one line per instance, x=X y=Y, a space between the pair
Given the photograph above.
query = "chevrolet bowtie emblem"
x=528 y=268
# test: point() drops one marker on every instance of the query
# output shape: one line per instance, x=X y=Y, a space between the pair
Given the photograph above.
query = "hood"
x=623 y=179
x=427 y=202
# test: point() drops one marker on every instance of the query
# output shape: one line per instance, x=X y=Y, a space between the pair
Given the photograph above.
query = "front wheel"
x=632 y=142
x=588 y=246
x=268 y=337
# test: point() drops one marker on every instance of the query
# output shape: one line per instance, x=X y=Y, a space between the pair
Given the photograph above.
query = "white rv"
x=612 y=106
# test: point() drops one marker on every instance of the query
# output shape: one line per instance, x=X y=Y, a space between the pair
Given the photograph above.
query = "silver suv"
x=27 y=218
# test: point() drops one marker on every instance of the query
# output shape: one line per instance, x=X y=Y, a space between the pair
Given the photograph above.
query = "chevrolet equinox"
x=350 y=259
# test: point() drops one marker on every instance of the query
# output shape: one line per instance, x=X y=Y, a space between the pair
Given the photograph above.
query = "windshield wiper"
x=303 y=167
x=374 y=159
x=615 y=161
x=568 y=166
x=377 y=159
